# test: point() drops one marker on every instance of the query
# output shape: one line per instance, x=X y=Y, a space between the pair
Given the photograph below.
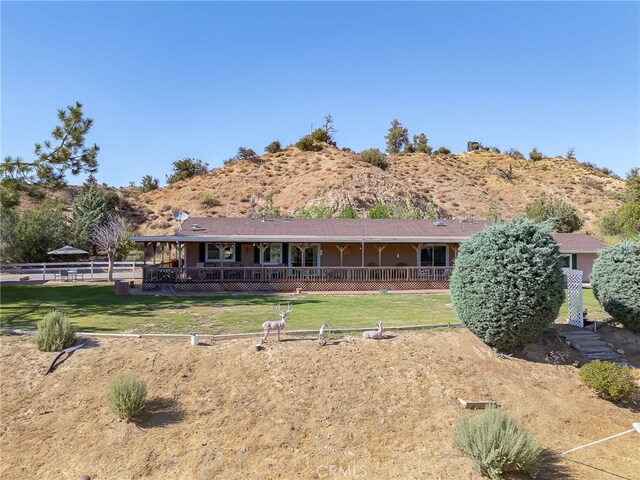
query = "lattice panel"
x=288 y=286
x=574 y=296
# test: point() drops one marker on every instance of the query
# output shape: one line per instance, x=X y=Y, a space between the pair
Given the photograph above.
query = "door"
x=311 y=256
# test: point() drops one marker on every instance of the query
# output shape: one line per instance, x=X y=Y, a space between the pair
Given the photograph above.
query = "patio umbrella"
x=68 y=250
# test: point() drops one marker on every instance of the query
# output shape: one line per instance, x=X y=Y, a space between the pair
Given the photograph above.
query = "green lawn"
x=95 y=308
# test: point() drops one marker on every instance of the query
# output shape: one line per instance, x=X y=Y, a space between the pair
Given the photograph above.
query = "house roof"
x=578 y=243
x=206 y=229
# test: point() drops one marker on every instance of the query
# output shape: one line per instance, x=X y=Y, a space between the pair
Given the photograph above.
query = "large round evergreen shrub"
x=507 y=284
x=615 y=279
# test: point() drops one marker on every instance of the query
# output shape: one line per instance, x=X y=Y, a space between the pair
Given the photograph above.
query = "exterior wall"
x=585 y=263
x=192 y=252
x=392 y=255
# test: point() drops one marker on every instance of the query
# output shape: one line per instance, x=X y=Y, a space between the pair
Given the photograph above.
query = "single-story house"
x=285 y=254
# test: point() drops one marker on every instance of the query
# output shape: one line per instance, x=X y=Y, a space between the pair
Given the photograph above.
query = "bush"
x=208 y=201
x=348 y=212
x=563 y=215
x=246 y=154
x=609 y=380
x=442 y=151
x=623 y=222
x=507 y=284
x=186 y=168
x=535 y=155
x=273 y=147
x=320 y=135
x=380 y=211
x=148 y=183
x=615 y=279
x=127 y=393
x=375 y=157
x=515 y=153
x=54 y=332
x=497 y=445
x=306 y=144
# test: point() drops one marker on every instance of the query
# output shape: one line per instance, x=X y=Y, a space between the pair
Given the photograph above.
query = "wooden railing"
x=293 y=274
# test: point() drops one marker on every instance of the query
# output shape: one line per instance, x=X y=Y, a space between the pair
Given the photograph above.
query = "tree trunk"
x=111 y=258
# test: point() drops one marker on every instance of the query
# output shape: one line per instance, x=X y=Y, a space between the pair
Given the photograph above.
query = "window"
x=272 y=254
x=213 y=253
x=434 y=256
x=567 y=261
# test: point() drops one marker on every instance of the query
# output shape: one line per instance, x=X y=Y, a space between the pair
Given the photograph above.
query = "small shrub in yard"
x=497 y=445
x=608 y=379
x=127 y=393
x=615 y=279
x=54 y=332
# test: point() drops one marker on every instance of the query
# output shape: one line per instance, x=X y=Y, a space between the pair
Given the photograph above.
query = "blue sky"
x=167 y=80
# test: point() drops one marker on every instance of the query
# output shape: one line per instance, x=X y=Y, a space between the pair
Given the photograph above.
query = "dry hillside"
x=452 y=185
x=377 y=410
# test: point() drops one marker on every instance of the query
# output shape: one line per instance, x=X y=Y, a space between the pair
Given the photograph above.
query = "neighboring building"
x=243 y=254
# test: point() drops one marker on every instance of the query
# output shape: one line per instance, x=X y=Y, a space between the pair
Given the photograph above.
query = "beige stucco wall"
x=585 y=263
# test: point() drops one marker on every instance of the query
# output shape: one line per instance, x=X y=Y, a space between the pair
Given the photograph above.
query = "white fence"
x=87 y=270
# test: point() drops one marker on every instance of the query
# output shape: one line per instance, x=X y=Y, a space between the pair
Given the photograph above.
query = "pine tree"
x=397 y=137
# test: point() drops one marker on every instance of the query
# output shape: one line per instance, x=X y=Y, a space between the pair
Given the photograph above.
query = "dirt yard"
x=351 y=409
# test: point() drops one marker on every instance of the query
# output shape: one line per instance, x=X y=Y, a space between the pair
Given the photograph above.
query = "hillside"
x=384 y=409
x=453 y=186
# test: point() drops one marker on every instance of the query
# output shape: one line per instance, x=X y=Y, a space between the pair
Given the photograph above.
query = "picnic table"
x=70 y=274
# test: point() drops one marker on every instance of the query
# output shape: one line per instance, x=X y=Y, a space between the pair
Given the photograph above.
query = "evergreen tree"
x=186 y=168
x=66 y=152
x=90 y=209
x=421 y=144
x=39 y=230
x=397 y=137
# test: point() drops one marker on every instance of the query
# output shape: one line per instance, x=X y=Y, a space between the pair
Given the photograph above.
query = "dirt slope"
x=378 y=410
x=452 y=186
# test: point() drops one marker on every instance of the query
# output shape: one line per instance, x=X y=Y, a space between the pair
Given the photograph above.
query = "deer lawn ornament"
x=321 y=338
x=375 y=334
x=268 y=326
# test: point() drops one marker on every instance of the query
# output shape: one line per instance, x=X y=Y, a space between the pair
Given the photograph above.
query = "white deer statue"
x=321 y=338
x=268 y=326
x=374 y=334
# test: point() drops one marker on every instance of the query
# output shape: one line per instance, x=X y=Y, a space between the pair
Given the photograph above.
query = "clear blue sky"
x=166 y=80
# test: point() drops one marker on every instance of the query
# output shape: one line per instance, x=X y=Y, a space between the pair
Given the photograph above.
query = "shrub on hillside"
x=273 y=147
x=507 y=284
x=127 y=393
x=515 y=153
x=246 y=154
x=148 y=183
x=348 y=212
x=609 y=380
x=320 y=135
x=186 y=168
x=535 y=155
x=375 y=157
x=497 y=445
x=623 y=222
x=615 y=279
x=306 y=144
x=563 y=215
x=380 y=211
x=442 y=151
x=54 y=332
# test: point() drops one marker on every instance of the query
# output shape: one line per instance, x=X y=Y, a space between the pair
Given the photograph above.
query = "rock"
x=620 y=351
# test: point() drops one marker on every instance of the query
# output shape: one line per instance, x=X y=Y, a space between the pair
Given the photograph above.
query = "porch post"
x=342 y=247
x=380 y=248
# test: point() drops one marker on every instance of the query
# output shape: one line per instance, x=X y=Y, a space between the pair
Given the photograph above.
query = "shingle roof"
x=347 y=230
x=578 y=243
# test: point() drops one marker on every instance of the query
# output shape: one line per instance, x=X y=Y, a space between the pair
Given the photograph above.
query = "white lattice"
x=574 y=296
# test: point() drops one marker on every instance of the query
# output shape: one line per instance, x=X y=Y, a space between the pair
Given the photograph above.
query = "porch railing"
x=293 y=274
